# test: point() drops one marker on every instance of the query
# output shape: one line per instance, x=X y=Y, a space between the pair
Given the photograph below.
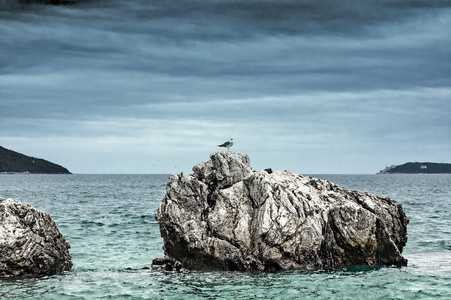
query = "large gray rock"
x=30 y=242
x=226 y=217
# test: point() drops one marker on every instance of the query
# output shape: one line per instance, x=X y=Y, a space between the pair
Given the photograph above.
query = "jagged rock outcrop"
x=30 y=242
x=226 y=217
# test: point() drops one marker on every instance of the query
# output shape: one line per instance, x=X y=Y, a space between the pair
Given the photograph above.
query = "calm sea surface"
x=109 y=220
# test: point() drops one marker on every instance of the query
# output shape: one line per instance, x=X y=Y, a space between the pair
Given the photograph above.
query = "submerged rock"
x=30 y=242
x=226 y=217
x=167 y=264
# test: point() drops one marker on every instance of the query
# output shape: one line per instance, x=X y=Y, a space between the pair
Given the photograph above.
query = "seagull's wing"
x=224 y=144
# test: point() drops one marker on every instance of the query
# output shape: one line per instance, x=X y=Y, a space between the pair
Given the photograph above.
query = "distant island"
x=418 y=168
x=14 y=162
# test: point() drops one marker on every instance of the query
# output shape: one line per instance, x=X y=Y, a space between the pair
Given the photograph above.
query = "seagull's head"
x=231 y=138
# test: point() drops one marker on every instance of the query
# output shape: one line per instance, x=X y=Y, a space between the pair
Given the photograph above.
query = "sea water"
x=109 y=220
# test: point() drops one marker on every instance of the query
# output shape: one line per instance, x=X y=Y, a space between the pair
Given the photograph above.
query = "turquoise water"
x=109 y=222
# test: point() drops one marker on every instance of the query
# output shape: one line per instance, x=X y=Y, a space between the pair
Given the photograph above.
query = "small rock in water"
x=30 y=242
x=167 y=264
x=226 y=217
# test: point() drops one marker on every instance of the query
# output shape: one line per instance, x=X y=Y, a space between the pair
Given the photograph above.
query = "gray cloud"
x=346 y=80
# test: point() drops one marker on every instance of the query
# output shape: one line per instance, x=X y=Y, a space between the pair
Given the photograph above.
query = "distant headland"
x=14 y=162
x=418 y=168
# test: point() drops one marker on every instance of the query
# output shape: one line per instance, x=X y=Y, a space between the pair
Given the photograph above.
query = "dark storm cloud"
x=316 y=72
x=290 y=45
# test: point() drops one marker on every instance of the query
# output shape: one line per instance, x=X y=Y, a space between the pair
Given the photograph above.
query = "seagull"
x=227 y=144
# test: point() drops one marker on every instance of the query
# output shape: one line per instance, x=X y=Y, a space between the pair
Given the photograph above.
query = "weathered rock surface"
x=30 y=242
x=226 y=217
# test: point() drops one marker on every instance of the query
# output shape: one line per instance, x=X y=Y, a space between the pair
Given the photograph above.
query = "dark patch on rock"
x=268 y=170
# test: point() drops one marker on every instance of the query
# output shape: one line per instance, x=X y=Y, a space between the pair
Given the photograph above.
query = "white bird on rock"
x=227 y=144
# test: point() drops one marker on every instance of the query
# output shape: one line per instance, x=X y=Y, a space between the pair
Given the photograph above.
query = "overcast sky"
x=152 y=86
